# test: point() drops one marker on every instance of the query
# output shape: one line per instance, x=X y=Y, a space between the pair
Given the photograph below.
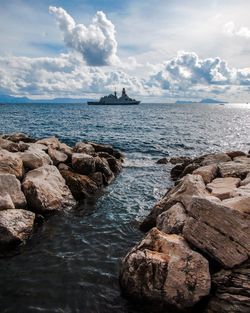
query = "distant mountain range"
x=11 y=99
x=202 y=101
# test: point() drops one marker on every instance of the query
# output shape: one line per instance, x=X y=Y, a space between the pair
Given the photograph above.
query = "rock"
x=46 y=191
x=34 y=158
x=246 y=181
x=241 y=203
x=82 y=147
x=163 y=268
x=180 y=159
x=53 y=142
x=11 y=163
x=242 y=191
x=189 y=186
x=63 y=166
x=83 y=163
x=162 y=161
x=218 y=231
x=81 y=186
x=102 y=148
x=6 y=202
x=102 y=166
x=208 y=172
x=223 y=188
x=234 y=169
x=97 y=177
x=215 y=158
x=176 y=171
x=114 y=164
x=15 y=226
x=38 y=146
x=172 y=221
x=57 y=156
x=16 y=137
x=232 y=294
x=66 y=149
x=234 y=154
x=8 y=145
x=23 y=146
x=10 y=185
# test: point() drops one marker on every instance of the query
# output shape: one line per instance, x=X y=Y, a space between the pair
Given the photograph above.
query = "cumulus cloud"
x=230 y=29
x=96 y=42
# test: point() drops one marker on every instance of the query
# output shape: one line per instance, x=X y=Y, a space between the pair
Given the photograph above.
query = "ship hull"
x=113 y=103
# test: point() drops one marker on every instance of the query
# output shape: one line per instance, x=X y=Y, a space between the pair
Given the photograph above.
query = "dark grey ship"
x=112 y=99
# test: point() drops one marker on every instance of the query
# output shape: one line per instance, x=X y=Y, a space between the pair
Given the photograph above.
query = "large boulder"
x=179 y=160
x=6 y=202
x=57 y=156
x=82 y=147
x=223 y=188
x=102 y=165
x=80 y=185
x=15 y=226
x=83 y=163
x=114 y=164
x=46 y=191
x=52 y=142
x=17 y=137
x=246 y=181
x=219 y=231
x=189 y=186
x=232 y=291
x=34 y=158
x=207 y=172
x=10 y=185
x=66 y=150
x=11 y=163
x=239 y=167
x=215 y=158
x=235 y=154
x=164 y=269
x=173 y=220
x=8 y=145
x=241 y=203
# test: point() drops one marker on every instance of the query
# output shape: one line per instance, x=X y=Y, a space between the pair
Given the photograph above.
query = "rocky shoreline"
x=196 y=250
x=44 y=176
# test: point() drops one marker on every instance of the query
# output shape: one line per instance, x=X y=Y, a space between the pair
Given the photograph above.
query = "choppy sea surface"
x=71 y=263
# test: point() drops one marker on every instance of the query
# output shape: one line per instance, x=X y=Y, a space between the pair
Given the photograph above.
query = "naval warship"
x=112 y=99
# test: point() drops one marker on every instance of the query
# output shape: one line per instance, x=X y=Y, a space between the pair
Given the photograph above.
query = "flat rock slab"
x=15 y=225
x=240 y=203
x=163 y=268
x=237 y=168
x=10 y=185
x=215 y=158
x=45 y=190
x=223 y=188
x=219 y=231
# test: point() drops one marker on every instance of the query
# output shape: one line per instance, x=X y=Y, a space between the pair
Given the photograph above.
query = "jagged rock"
x=234 y=154
x=173 y=220
x=83 y=163
x=82 y=147
x=232 y=293
x=66 y=149
x=180 y=159
x=102 y=166
x=9 y=184
x=215 y=158
x=11 y=163
x=8 y=145
x=57 y=156
x=207 y=172
x=23 y=146
x=34 y=158
x=15 y=226
x=234 y=169
x=223 y=188
x=6 y=202
x=176 y=171
x=163 y=268
x=219 y=231
x=189 y=186
x=241 y=203
x=16 y=137
x=162 y=161
x=53 y=142
x=45 y=190
x=81 y=186
x=114 y=164
x=102 y=148
x=246 y=181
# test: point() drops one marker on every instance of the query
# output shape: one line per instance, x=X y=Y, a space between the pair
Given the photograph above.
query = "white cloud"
x=96 y=42
x=230 y=29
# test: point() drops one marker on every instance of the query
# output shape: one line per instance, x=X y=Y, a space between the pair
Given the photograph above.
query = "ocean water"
x=71 y=263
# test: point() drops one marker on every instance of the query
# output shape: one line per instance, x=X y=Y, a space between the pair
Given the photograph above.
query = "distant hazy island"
x=202 y=101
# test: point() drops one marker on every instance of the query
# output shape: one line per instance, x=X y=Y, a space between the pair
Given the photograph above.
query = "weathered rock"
x=232 y=293
x=23 y=146
x=163 y=268
x=6 y=202
x=242 y=191
x=82 y=147
x=9 y=184
x=241 y=203
x=223 y=188
x=83 y=163
x=215 y=158
x=81 y=186
x=57 y=156
x=38 y=146
x=63 y=166
x=8 y=145
x=173 y=220
x=16 y=137
x=234 y=154
x=234 y=169
x=246 y=181
x=114 y=164
x=176 y=171
x=45 y=190
x=219 y=231
x=15 y=226
x=180 y=159
x=34 y=158
x=53 y=142
x=102 y=148
x=162 y=161
x=102 y=165
x=97 y=177
x=208 y=172
x=189 y=186
x=66 y=149
x=11 y=163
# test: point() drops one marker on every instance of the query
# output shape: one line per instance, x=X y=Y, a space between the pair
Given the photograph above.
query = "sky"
x=164 y=50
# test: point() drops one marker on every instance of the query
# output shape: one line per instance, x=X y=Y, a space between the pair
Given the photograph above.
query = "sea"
x=71 y=263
